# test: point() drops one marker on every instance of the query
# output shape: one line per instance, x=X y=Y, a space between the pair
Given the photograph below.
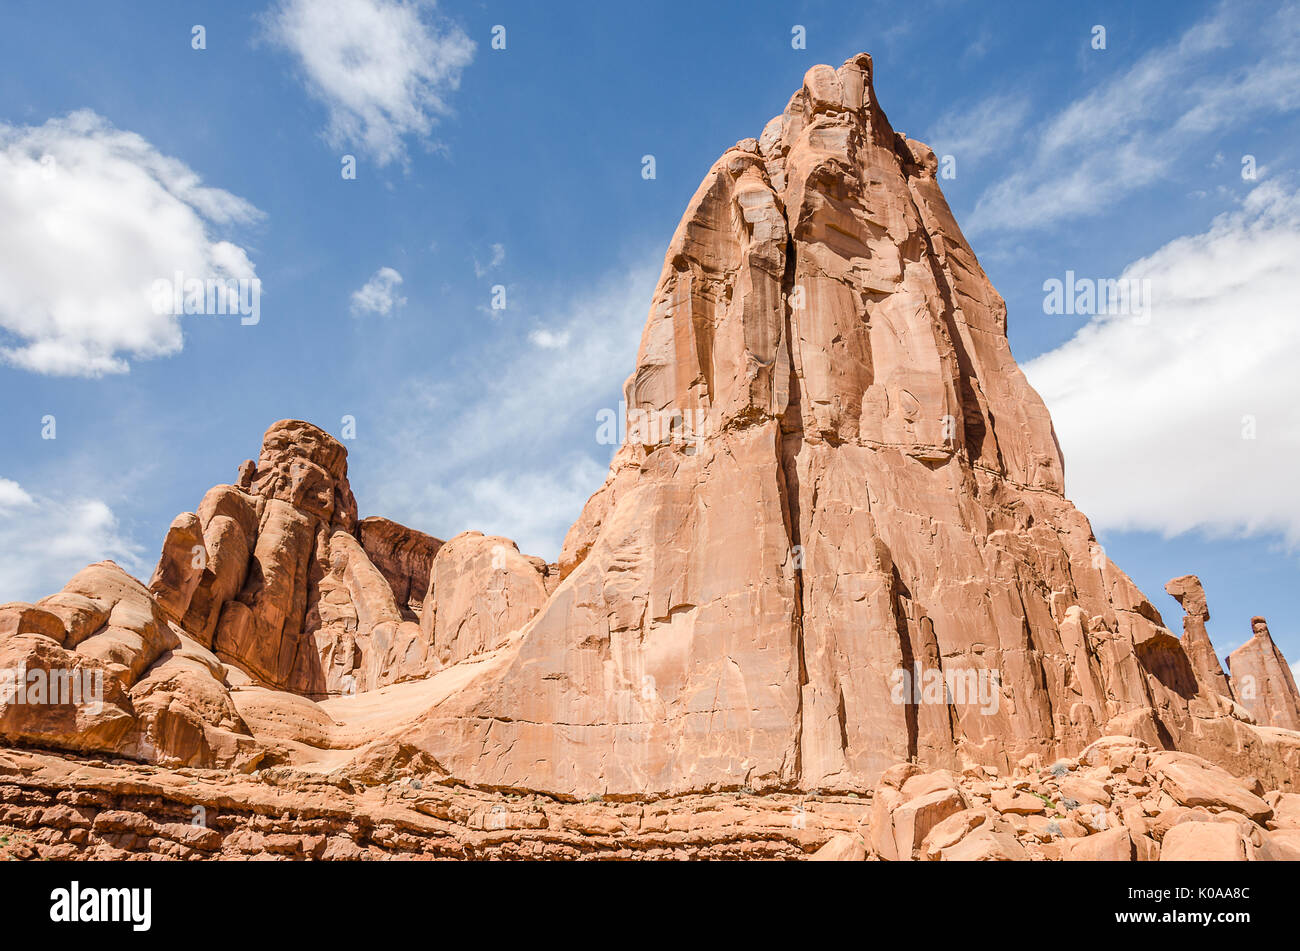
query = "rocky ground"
x=1119 y=800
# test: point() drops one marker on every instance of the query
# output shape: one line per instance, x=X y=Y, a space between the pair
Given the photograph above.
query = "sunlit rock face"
x=836 y=540
x=837 y=485
x=1264 y=682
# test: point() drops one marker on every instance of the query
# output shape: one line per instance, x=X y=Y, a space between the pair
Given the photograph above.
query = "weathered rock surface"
x=54 y=807
x=481 y=591
x=404 y=557
x=61 y=806
x=836 y=478
x=830 y=601
x=1187 y=591
x=1263 y=679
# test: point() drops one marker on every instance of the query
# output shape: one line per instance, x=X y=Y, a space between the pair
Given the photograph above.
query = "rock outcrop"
x=1263 y=680
x=837 y=482
x=404 y=557
x=101 y=666
x=1189 y=594
x=833 y=563
x=1120 y=800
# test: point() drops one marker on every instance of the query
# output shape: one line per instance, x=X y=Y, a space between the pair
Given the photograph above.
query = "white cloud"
x=13 y=496
x=382 y=68
x=549 y=339
x=498 y=258
x=45 y=541
x=379 y=294
x=92 y=217
x=1151 y=416
x=1132 y=129
x=514 y=450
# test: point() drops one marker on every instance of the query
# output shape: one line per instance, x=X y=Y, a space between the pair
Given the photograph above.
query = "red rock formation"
x=1187 y=591
x=1119 y=800
x=481 y=591
x=404 y=556
x=836 y=542
x=262 y=599
x=1262 y=680
x=838 y=476
x=137 y=684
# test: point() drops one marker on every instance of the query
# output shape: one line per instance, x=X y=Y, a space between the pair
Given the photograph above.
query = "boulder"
x=1112 y=845
x=842 y=848
x=1203 y=842
x=1191 y=781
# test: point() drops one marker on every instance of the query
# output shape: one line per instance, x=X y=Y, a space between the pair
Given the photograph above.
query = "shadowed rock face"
x=836 y=540
x=404 y=556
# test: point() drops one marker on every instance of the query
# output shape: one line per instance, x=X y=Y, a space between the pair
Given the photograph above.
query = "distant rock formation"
x=1264 y=683
x=404 y=557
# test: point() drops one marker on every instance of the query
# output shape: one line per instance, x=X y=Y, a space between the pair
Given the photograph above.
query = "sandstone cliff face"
x=836 y=541
x=837 y=476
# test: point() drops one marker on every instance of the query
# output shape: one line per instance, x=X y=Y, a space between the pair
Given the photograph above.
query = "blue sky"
x=521 y=168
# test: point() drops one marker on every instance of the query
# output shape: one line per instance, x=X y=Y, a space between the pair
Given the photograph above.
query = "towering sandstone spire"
x=1264 y=681
x=1189 y=594
x=837 y=541
x=858 y=483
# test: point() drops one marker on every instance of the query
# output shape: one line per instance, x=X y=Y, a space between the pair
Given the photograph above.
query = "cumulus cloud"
x=1131 y=130
x=45 y=541
x=514 y=453
x=379 y=294
x=382 y=68
x=1188 y=420
x=93 y=217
